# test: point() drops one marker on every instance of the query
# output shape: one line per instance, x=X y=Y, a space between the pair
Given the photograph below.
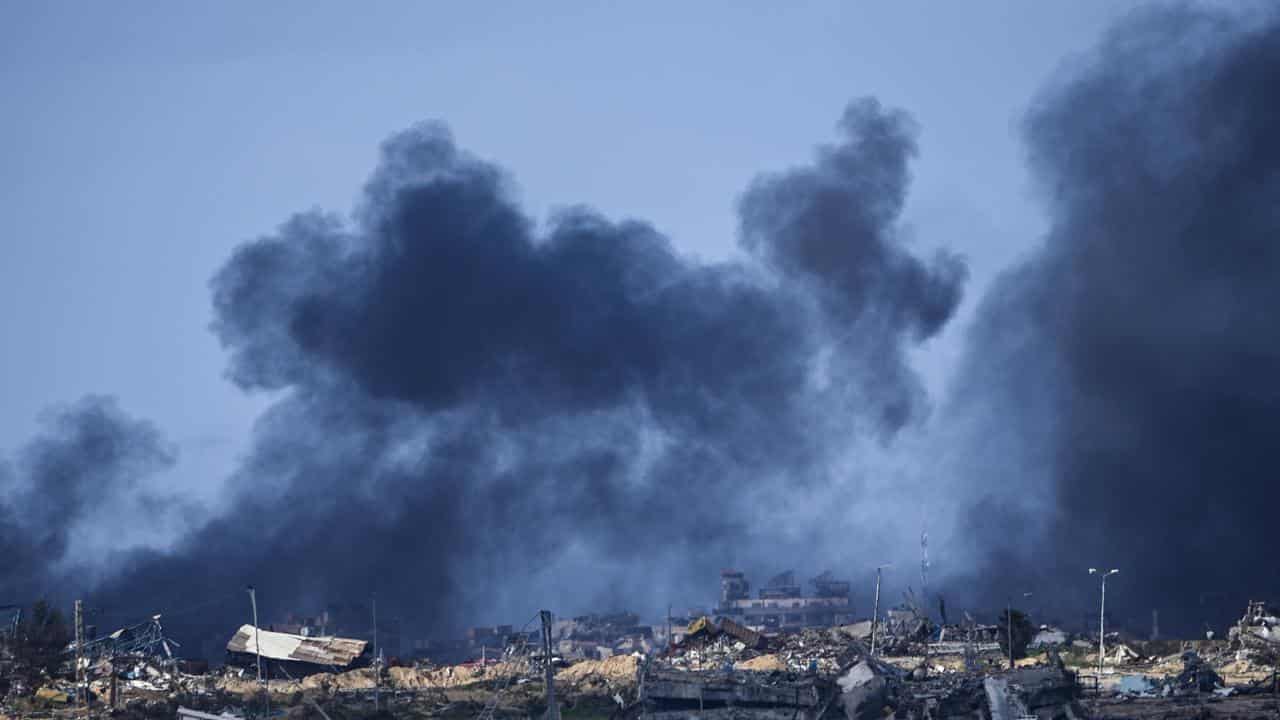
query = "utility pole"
x=875 y=612
x=377 y=659
x=114 y=692
x=553 y=710
x=1102 y=618
x=80 y=689
x=1008 y=616
x=924 y=570
x=924 y=590
x=669 y=638
x=257 y=646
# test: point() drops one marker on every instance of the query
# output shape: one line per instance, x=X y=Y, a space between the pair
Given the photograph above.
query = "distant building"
x=346 y=619
x=781 y=605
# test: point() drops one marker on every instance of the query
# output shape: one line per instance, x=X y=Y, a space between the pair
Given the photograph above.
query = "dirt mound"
x=244 y=687
x=320 y=681
x=615 y=671
x=407 y=678
x=451 y=676
x=360 y=679
x=766 y=663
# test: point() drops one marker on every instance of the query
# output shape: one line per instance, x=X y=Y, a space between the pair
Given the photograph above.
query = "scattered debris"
x=669 y=695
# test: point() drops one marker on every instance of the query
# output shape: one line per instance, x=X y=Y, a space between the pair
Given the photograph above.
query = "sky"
x=144 y=141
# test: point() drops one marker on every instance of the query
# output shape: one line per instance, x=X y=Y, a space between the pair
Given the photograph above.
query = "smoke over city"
x=1125 y=374
x=477 y=414
x=474 y=411
x=90 y=460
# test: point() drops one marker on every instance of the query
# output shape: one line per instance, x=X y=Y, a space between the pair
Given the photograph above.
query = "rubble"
x=711 y=645
x=1124 y=655
x=871 y=690
x=1048 y=636
x=1048 y=693
x=675 y=695
x=719 y=669
x=1258 y=628
x=824 y=651
x=1196 y=676
x=865 y=692
x=601 y=636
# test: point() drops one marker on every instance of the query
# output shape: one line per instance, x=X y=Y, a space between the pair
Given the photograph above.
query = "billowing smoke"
x=1123 y=388
x=88 y=463
x=477 y=416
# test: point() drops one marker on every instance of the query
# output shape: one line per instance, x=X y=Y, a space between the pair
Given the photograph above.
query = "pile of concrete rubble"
x=1257 y=635
x=727 y=645
x=867 y=689
x=1197 y=677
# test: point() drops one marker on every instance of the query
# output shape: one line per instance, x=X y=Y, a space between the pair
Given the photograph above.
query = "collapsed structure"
x=720 y=669
x=1258 y=630
x=602 y=636
x=829 y=674
x=294 y=655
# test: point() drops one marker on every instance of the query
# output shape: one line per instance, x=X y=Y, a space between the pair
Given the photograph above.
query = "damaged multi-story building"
x=601 y=636
x=781 y=603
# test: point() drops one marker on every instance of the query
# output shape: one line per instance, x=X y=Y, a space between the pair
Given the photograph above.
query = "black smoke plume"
x=1124 y=382
x=87 y=463
x=478 y=416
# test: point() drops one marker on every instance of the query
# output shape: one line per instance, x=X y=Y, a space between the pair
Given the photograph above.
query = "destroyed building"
x=600 y=636
x=294 y=655
x=142 y=640
x=781 y=604
x=1258 y=628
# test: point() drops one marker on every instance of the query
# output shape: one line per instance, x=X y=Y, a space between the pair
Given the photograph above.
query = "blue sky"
x=142 y=141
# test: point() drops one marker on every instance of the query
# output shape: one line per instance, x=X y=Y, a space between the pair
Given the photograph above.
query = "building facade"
x=781 y=604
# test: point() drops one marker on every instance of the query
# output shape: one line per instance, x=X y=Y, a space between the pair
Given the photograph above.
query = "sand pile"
x=451 y=676
x=249 y=686
x=615 y=671
x=359 y=679
x=323 y=682
x=763 y=663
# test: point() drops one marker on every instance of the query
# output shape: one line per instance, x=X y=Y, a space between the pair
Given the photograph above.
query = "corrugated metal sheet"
x=335 y=651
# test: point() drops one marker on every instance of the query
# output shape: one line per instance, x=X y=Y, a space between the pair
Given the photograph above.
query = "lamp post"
x=253 y=600
x=1102 y=616
x=1008 y=617
x=257 y=646
x=875 y=612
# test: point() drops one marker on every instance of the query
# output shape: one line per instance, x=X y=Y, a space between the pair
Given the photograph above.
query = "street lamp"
x=257 y=648
x=1102 y=616
x=1008 y=615
x=875 y=612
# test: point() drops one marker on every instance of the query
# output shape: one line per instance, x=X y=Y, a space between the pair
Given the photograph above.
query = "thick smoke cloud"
x=477 y=416
x=1127 y=373
x=88 y=460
